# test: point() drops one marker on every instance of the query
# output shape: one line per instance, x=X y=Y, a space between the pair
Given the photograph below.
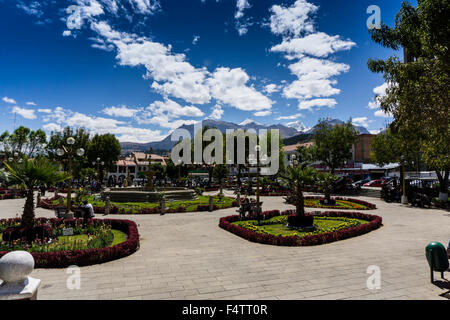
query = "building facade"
x=134 y=166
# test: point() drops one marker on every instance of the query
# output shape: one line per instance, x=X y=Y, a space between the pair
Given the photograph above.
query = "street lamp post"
x=98 y=163
x=69 y=150
x=258 y=168
x=404 y=197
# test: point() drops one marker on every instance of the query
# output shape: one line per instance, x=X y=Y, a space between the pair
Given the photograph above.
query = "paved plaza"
x=187 y=256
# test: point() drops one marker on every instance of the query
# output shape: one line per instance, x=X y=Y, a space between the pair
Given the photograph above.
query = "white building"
x=134 y=166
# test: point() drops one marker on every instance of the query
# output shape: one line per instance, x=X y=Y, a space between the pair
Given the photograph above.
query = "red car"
x=375 y=183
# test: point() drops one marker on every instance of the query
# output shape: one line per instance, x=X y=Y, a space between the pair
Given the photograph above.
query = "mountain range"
x=289 y=130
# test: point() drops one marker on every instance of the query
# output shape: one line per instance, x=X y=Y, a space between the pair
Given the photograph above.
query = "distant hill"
x=166 y=144
x=301 y=138
x=289 y=133
x=308 y=135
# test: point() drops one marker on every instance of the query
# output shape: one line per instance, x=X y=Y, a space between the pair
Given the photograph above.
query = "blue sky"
x=141 y=68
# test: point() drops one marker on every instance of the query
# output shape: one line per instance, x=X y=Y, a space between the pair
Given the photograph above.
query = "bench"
x=248 y=207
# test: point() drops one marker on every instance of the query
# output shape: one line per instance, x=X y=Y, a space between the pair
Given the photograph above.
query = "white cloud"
x=309 y=104
x=145 y=6
x=313 y=78
x=241 y=5
x=217 y=112
x=375 y=131
x=382 y=114
x=173 y=109
x=293 y=117
x=317 y=44
x=162 y=113
x=380 y=92
x=263 y=113
x=173 y=75
x=32 y=9
x=242 y=26
x=362 y=122
x=9 y=100
x=52 y=127
x=31 y=103
x=271 y=88
x=195 y=40
x=124 y=132
x=45 y=110
x=122 y=111
x=25 y=113
x=229 y=86
x=292 y=20
x=309 y=89
x=67 y=33
x=58 y=115
x=315 y=69
x=303 y=43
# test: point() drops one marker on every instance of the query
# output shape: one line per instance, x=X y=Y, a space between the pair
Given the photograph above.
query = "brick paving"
x=187 y=256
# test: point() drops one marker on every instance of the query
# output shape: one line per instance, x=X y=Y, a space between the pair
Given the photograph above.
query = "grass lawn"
x=72 y=241
x=277 y=226
x=340 y=204
x=190 y=205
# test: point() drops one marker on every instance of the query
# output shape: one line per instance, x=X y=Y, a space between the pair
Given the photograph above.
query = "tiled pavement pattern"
x=187 y=256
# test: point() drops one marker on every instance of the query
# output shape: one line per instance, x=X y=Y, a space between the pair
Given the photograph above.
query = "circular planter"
x=374 y=222
x=358 y=203
x=87 y=257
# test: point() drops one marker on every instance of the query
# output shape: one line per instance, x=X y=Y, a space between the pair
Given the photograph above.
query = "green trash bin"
x=437 y=258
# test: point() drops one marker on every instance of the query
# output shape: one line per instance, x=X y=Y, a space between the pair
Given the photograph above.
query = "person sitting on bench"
x=88 y=211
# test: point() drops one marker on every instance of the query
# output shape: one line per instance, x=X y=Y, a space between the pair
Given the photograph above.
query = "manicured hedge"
x=64 y=259
x=47 y=204
x=370 y=206
x=375 y=222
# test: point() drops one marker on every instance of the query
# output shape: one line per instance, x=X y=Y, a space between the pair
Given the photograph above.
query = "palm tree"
x=298 y=177
x=326 y=181
x=30 y=174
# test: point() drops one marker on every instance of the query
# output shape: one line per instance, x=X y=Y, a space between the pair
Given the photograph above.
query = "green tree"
x=30 y=174
x=333 y=144
x=418 y=94
x=107 y=148
x=385 y=148
x=82 y=140
x=24 y=141
x=297 y=178
x=326 y=181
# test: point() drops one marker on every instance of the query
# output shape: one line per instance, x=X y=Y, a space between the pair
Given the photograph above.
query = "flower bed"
x=374 y=222
x=342 y=203
x=64 y=259
x=49 y=204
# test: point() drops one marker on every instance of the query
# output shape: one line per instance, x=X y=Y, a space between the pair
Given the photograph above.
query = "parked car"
x=375 y=183
x=360 y=183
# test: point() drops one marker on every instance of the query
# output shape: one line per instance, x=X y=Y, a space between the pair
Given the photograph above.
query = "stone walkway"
x=187 y=256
